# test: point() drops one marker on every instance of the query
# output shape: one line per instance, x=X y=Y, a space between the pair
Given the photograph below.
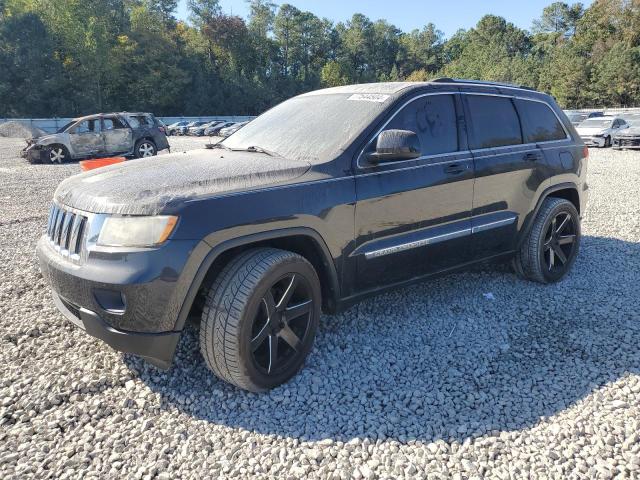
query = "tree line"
x=72 y=57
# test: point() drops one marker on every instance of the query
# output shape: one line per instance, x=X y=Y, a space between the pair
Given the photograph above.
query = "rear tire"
x=260 y=318
x=551 y=246
x=145 y=148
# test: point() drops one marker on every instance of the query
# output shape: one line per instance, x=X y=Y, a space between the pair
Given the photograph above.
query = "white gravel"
x=435 y=381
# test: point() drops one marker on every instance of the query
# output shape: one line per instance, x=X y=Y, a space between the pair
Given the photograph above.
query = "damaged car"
x=628 y=137
x=599 y=131
x=133 y=135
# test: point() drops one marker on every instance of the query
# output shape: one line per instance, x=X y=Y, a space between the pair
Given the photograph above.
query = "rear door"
x=542 y=126
x=413 y=216
x=86 y=139
x=509 y=171
x=118 y=137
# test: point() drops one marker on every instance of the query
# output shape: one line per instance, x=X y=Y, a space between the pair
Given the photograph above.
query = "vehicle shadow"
x=454 y=358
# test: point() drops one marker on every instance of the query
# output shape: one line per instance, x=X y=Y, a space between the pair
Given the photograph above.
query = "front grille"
x=65 y=230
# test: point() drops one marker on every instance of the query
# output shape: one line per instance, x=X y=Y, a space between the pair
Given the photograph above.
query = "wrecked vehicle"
x=133 y=135
x=628 y=137
x=325 y=199
x=599 y=131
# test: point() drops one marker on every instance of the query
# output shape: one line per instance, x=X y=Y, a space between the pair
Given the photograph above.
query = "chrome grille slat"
x=65 y=230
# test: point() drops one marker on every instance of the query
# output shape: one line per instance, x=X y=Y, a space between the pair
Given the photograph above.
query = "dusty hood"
x=152 y=185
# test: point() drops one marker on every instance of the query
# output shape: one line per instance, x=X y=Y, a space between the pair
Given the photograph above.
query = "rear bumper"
x=157 y=348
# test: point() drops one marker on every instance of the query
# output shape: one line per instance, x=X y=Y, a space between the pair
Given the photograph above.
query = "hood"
x=154 y=185
x=590 y=130
x=629 y=132
x=43 y=138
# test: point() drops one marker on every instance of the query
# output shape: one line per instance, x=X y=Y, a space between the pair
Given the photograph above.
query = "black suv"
x=327 y=198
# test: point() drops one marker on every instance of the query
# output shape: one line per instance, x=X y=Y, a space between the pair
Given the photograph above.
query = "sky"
x=409 y=14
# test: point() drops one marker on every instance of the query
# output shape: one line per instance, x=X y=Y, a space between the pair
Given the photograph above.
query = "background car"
x=173 y=128
x=126 y=134
x=215 y=129
x=598 y=131
x=225 y=132
x=577 y=118
x=199 y=130
x=628 y=137
x=183 y=130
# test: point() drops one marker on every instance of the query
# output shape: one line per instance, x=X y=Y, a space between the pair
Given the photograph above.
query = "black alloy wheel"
x=260 y=318
x=559 y=244
x=551 y=246
x=282 y=323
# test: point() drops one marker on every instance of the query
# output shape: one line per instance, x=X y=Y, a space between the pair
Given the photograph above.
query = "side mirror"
x=396 y=145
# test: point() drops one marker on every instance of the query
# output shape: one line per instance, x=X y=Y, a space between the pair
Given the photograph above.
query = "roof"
x=395 y=88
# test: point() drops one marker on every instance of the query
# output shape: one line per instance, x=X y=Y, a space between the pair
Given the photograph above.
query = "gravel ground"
x=440 y=380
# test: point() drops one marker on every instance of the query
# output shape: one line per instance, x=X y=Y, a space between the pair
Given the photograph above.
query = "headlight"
x=136 y=231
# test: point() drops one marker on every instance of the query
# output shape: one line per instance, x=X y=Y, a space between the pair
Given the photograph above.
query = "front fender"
x=204 y=255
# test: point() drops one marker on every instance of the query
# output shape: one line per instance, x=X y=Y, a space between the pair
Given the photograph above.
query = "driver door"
x=413 y=217
x=85 y=138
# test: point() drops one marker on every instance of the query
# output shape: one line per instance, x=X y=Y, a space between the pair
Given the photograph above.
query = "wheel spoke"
x=261 y=336
x=298 y=310
x=290 y=337
x=273 y=353
x=563 y=224
x=552 y=258
x=288 y=293
x=553 y=226
x=269 y=303
x=566 y=239
x=558 y=251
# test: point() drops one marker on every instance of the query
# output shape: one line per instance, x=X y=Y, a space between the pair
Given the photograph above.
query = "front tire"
x=607 y=142
x=58 y=154
x=145 y=148
x=551 y=246
x=260 y=318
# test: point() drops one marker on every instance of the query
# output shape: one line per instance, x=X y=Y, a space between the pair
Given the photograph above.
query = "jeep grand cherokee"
x=325 y=199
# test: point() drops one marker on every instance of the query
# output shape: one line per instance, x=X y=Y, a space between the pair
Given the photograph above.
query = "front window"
x=87 y=126
x=312 y=127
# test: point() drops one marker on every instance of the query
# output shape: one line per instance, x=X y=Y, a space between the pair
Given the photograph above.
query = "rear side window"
x=113 y=123
x=433 y=119
x=494 y=122
x=539 y=123
x=138 y=121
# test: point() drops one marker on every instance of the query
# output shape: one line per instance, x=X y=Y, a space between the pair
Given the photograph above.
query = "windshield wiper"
x=219 y=144
x=257 y=149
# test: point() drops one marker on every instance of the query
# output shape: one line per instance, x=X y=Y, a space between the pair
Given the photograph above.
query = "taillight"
x=585 y=152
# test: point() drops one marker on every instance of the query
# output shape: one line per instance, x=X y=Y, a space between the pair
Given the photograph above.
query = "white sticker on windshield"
x=368 y=97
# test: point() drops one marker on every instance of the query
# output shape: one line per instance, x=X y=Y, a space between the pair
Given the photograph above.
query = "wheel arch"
x=301 y=240
x=568 y=191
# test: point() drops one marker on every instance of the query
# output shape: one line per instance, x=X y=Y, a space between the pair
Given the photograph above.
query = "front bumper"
x=594 y=141
x=157 y=348
x=35 y=154
x=131 y=300
x=626 y=142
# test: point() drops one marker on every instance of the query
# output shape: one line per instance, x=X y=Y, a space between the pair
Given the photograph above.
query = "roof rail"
x=479 y=82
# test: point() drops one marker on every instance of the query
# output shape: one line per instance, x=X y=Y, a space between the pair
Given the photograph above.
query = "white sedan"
x=597 y=132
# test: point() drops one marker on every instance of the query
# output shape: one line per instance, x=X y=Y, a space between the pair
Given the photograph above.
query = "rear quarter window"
x=539 y=123
x=494 y=122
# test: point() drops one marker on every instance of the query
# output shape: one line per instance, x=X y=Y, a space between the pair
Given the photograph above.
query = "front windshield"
x=596 y=122
x=61 y=130
x=313 y=128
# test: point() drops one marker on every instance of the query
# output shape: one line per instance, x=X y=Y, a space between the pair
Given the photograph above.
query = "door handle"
x=532 y=157
x=455 y=169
